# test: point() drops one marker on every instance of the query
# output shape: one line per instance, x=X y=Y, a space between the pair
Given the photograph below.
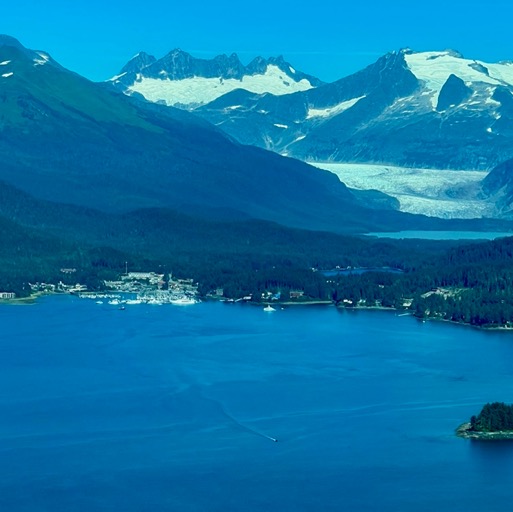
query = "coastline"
x=318 y=302
x=481 y=327
x=305 y=303
x=464 y=432
x=32 y=299
x=406 y=312
x=25 y=301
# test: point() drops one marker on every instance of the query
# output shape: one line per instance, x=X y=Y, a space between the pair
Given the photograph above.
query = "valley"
x=414 y=115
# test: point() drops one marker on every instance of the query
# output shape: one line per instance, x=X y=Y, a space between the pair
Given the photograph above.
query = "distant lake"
x=168 y=408
x=443 y=235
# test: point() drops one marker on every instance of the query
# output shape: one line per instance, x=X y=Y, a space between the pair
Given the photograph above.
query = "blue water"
x=444 y=235
x=167 y=408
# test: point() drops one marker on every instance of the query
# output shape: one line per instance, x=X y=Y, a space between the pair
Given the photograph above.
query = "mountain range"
x=69 y=140
x=91 y=177
x=181 y=80
x=416 y=109
x=66 y=139
x=432 y=109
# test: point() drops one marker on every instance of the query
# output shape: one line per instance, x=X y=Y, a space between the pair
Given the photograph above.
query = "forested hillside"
x=470 y=283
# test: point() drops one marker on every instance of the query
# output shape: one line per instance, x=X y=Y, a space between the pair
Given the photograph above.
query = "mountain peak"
x=280 y=58
x=185 y=81
x=280 y=62
x=232 y=60
x=12 y=50
x=6 y=40
x=178 y=51
x=142 y=56
x=137 y=63
x=10 y=44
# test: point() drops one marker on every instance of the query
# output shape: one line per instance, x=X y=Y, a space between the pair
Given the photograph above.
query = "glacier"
x=440 y=193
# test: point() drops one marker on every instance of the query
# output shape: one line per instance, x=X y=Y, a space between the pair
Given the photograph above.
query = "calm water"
x=444 y=235
x=167 y=408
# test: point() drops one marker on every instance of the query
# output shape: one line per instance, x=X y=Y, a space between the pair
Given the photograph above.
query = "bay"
x=175 y=408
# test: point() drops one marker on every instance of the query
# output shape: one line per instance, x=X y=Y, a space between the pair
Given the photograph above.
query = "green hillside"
x=66 y=139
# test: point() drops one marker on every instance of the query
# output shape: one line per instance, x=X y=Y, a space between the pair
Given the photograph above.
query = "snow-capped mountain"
x=66 y=139
x=430 y=109
x=423 y=109
x=181 y=80
x=438 y=69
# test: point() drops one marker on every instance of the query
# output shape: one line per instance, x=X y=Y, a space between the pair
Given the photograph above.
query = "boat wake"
x=238 y=423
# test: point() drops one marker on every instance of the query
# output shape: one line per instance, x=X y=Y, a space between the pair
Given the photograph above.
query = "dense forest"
x=470 y=284
x=32 y=256
x=217 y=249
x=458 y=281
x=494 y=417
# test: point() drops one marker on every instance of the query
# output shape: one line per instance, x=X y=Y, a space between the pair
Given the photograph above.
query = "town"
x=131 y=288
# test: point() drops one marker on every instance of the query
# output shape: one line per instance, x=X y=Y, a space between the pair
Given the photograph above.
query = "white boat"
x=269 y=308
x=114 y=302
x=183 y=301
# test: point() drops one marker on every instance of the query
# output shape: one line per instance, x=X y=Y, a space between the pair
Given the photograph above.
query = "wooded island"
x=495 y=421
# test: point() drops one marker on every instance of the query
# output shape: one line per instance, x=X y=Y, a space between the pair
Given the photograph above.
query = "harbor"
x=151 y=288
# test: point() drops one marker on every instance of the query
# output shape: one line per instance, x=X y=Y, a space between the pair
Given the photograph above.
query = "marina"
x=134 y=288
x=158 y=299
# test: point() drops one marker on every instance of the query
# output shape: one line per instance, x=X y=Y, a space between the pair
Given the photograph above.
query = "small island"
x=494 y=422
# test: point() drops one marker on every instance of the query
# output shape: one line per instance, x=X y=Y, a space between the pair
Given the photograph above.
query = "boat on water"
x=269 y=308
x=183 y=301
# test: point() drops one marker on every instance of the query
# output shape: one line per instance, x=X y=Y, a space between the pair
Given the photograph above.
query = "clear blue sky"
x=326 y=38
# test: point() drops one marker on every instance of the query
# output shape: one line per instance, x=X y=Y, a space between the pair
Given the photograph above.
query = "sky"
x=329 y=39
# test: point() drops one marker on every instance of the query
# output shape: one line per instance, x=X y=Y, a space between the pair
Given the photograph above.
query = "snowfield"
x=334 y=110
x=192 y=92
x=436 y=193
x=434 y=68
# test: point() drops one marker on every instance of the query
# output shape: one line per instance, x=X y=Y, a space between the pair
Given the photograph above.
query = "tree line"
x=494 y=417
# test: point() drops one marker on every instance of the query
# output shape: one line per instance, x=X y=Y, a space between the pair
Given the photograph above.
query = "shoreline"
x=32 y=299
x=406 y=312
x=464 y=432
x=26 y=301
x=318 y=302
x=304 y=303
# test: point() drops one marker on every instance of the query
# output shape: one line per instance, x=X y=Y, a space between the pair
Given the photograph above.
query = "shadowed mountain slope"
x=66 y=139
